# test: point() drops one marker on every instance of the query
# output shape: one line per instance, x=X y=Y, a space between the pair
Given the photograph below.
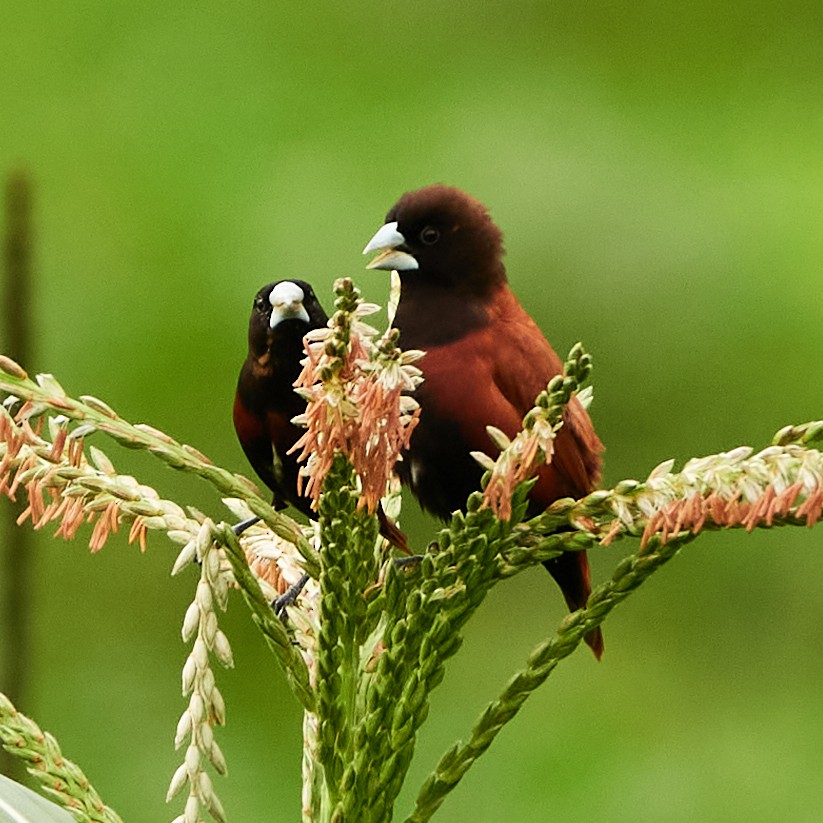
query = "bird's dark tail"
x=571 y=573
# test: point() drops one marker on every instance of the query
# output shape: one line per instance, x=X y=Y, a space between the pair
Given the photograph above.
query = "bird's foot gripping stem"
x=289 y=597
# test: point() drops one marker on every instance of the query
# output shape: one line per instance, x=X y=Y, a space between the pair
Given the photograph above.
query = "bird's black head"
x=443 y=236
x=285 y=309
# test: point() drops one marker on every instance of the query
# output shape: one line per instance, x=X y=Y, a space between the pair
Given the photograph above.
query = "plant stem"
x=269 y=624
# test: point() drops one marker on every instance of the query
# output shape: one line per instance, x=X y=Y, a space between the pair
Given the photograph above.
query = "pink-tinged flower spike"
x=65 y=487
x=732 y=489
x=355 y=384
x=520 y=457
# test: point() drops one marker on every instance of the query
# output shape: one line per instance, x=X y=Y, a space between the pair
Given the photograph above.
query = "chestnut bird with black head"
x=486 y=361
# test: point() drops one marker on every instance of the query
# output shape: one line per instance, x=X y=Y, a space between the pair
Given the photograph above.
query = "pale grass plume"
x=46 y=465
x=206 y=708
x=278 y=566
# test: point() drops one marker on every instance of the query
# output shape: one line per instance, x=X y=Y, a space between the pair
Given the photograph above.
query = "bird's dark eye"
x=430 y=235
x=259 y=303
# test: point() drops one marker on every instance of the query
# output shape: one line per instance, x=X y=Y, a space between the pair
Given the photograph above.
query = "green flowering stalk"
x=777 y=486
x=358 y=419
x=423 y=621
x=543 y=660
x=367 y=733
x=534 y=444
x=355 y=384
x=424 y=613
x=367 y=638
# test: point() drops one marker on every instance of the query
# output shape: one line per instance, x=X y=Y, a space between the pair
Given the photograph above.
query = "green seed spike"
x=370 y=641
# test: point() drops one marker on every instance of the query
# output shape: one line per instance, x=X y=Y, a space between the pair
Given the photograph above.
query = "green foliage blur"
x=656 y=168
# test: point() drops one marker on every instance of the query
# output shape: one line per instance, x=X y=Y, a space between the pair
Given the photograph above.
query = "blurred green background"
x=657 y=172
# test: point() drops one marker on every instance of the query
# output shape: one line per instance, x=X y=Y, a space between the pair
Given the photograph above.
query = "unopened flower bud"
x=183 y=729
x=192 y=760
x=191 y=621
x=197 y=709
x=185 y=557
x=179 y=779
x=222 y=649
x=192 y=813
x=189 y=673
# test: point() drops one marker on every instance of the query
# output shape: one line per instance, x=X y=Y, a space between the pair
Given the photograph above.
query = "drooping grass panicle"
x=45 y=395
x=263 y=566
x=62 y=485
x=206 y=708
x=356 y=385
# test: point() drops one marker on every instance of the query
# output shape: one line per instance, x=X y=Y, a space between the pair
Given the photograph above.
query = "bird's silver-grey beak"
x=391 y=258
x=286 y=300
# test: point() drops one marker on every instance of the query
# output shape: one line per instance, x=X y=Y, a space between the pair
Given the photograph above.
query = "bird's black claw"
x=239 y=528
x=289 y=597
x=411 y=561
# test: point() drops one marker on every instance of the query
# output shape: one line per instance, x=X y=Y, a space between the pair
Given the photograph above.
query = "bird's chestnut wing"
x=492 y=377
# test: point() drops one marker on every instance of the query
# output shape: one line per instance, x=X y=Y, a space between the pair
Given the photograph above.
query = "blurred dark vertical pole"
x=16 y=548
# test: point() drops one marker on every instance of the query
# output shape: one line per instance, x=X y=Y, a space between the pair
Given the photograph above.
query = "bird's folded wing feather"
x=503 y=367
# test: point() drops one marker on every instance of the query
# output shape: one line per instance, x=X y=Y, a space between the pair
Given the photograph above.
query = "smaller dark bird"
x=265 y=402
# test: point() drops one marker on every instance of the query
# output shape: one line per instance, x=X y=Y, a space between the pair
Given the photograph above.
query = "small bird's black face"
x=441 y=235
x=283 y=307
x=265 y=401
